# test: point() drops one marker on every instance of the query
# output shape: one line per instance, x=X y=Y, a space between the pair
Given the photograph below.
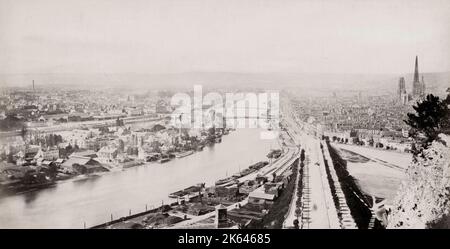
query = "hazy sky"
x=164 y=36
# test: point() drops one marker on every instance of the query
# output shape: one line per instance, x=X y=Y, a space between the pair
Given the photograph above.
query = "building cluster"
x=108 y=134
x=373 y=120
x=90 y=150
x=224 y=202
x=45 y=107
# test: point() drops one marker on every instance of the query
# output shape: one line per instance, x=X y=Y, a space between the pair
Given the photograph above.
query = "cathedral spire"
x=416 y=71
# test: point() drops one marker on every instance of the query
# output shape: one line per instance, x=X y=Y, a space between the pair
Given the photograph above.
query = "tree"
x=413 y=147
x=119 y=122
x=58 y=139
x=68 y=150
x=11 y=122
x=270 y=156
x=302 y=155
x=10 y=158
x=121 y=145
x=447 y=100
x=104 y=129
x=156 y=146
x=296 y=224
x=423 y=199
x=52 y=170
x=211 y=135
x=430 y=118
x=52 y=140
x=157 y=128
x=23 y=132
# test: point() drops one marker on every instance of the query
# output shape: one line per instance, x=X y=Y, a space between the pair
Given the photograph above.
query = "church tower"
x=401 y=86
x=416 y=70
x=418 y=86
x=401 y=91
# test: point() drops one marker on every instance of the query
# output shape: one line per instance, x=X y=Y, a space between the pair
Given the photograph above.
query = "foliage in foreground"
x=431 y=117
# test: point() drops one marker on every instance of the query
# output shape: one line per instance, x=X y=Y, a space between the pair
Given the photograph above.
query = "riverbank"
x=193 y=206
x=194 y=202
x=17 y=186
x=71 y=204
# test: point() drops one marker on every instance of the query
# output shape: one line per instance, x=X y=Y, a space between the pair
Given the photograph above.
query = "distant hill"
x=357 y=82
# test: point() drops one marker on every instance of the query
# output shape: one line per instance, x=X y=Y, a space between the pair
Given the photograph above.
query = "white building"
x=107 y=154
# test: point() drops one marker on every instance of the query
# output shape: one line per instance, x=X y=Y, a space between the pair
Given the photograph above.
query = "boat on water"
x=251 y=169
x=184 y=154
x=274 y=153
x=164 y=160
x=259 y=165
x=192 y=190
x=225 y=180
x=131 y=164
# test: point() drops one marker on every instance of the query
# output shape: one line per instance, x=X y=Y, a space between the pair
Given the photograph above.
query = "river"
x=91 y=201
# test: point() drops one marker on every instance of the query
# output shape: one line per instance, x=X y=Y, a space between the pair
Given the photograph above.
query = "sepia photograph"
x=224 y=114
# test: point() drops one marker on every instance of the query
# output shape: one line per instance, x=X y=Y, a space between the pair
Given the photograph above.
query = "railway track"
x=306 y=199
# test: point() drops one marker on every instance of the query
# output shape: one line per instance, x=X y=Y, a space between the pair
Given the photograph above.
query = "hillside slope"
x=424 y=198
